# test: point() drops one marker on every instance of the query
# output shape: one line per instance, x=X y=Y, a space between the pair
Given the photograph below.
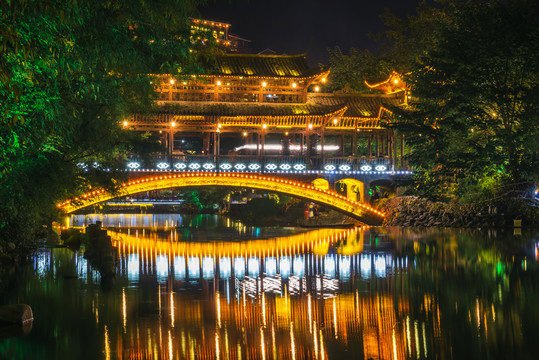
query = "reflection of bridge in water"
x=296 y=297
x=274 y=298
x=276 y=262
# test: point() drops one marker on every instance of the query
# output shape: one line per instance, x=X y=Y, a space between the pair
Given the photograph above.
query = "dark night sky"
x=297 y=26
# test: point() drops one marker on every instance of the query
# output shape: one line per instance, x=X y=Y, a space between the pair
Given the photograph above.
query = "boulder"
x=71 y=238
x=16 y=314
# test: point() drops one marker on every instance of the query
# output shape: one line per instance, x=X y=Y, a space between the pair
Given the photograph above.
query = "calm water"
x=282 y=294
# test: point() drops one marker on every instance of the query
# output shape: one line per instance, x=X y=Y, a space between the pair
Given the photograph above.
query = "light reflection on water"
x=324 y=294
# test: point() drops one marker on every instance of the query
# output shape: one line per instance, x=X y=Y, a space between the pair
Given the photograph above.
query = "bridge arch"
x=293 y=188
x=383 y=187
x=355 y=189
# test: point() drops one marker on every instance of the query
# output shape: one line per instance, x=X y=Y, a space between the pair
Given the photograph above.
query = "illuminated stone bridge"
x=325 y=197
x=340 y=183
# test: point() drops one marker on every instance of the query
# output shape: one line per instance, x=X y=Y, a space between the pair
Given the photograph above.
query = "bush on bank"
x=415 y=211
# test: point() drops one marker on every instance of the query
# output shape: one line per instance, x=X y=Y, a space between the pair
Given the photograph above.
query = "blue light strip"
x=271 y=168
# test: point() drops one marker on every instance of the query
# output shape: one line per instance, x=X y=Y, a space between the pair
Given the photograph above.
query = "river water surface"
x=207 y=287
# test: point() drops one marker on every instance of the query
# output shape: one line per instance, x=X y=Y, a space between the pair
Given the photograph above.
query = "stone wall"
x=414 y=211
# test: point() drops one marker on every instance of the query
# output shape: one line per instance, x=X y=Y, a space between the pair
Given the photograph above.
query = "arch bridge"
x=352 y=176
x=295 y=188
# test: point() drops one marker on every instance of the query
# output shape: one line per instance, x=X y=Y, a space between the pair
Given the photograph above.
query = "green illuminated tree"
x=70 y=71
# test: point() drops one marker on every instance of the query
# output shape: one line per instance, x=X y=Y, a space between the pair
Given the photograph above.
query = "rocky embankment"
x=414 y=211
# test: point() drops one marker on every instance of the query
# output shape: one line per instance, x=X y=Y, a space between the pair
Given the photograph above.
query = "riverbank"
x=11 y=257
x=418 y=212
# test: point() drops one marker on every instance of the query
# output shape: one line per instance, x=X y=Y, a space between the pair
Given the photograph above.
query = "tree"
x=475 y=124
x=408 y=38
x=353 y=69
x=404 y=41
x=70 y=71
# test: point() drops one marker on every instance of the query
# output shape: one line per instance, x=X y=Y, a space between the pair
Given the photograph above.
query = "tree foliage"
x=70 y=71
x=353 y=69
x=408 y=38
x=404 y=41
x=475 y=124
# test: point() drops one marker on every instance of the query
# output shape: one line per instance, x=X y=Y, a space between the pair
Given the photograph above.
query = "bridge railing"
x=267 y=163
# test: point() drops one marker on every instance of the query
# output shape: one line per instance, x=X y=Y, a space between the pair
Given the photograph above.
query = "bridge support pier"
x=366 y=198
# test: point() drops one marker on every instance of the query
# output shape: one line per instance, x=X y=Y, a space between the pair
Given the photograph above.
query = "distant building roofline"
x=267 y=51
x=238 y=37
x=209 y=22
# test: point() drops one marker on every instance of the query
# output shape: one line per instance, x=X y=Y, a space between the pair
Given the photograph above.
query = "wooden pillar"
x=218 y=143
x=322 y=140
x=257 y=144
x=341 y=145
x=402 y=150
x=164 y=138
x=206 y=143
x=354 y=143
x=261 y=93
x=263 y=142
x=394 y=145
x=171 y=141
x=377 y=147
x=369 y=146
x=308 y=144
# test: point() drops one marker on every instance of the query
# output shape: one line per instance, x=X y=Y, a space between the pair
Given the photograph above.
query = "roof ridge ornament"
x=347 y=89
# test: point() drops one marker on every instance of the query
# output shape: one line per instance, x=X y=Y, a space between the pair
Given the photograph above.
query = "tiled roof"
x=359 y=105
x=263 y=65
x=200 y=108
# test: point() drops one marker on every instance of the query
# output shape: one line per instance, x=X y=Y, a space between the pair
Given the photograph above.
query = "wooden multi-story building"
x=269 y=105
x=203 y=29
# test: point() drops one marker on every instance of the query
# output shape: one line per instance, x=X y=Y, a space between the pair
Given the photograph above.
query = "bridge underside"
x=328 y=198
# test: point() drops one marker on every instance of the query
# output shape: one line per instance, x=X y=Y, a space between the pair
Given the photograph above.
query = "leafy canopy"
x=404 y=41
x=70 y=71
x=475 y=124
